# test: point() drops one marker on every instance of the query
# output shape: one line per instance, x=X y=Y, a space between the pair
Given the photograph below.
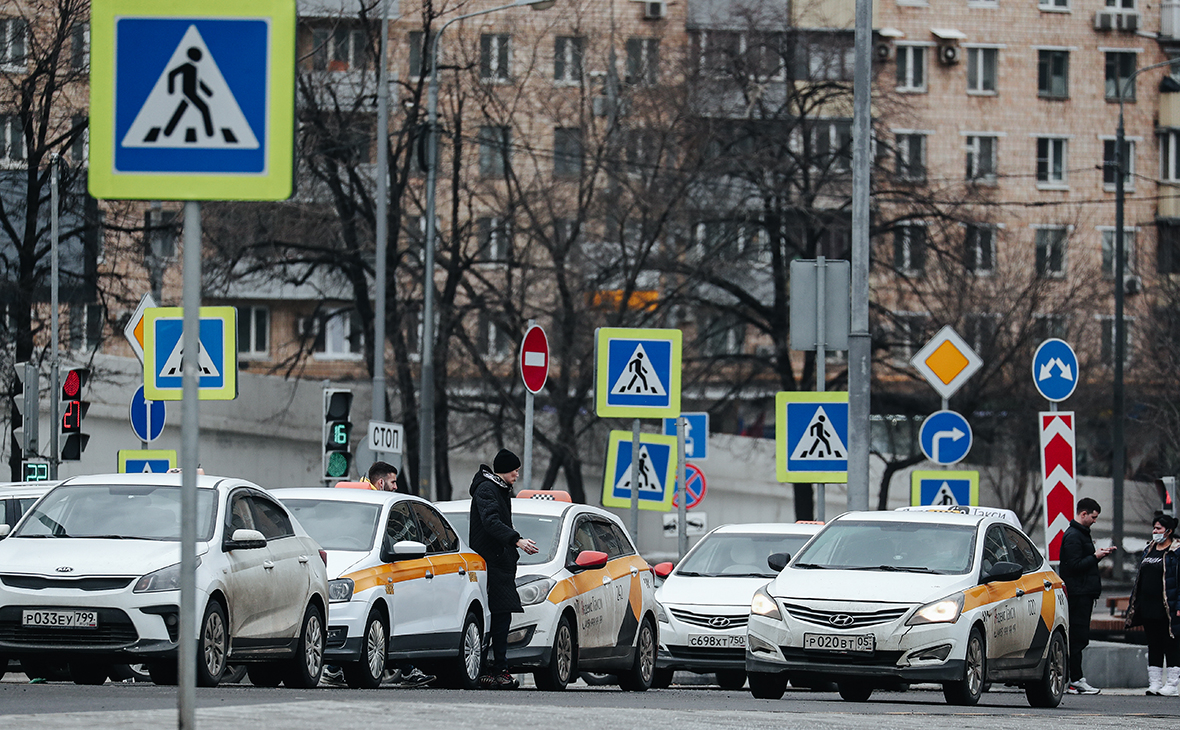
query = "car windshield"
x=738 y=555
x=916 y=547
x=542 y=529
x=140 y=512
x=337 y=525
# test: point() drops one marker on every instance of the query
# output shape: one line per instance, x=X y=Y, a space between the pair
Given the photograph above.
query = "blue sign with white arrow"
x=696 y=434
x=1055 y=370
x=945 y=437
x=147 y=417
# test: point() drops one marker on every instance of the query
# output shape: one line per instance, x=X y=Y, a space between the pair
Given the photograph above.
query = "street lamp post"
x=426 y=390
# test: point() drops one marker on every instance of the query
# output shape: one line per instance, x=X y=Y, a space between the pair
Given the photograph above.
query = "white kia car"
x=704 y=602
x=91 y=576
x=403 y=585
x=880 y=598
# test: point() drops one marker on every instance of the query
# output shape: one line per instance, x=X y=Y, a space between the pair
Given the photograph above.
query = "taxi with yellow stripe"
x=402 y=584
x=588 y=597
x=876 y=599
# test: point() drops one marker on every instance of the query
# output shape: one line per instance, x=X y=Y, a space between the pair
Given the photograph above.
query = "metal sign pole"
x=682 y=508
x=55 y=276
x=526 y=470
x=189 y=439
x=635 y=481
x=821 y=280
x=382 y=222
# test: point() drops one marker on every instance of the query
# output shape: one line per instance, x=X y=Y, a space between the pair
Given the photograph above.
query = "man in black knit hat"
x=494 y=538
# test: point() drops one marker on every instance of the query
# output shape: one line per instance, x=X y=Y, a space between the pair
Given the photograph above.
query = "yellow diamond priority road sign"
x=947 y=361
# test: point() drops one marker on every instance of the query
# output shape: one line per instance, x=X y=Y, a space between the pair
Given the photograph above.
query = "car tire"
x=969 y=689
x=164 y=673
x=563 y=659
x=234 y=673
x=767 y=685
x=463 y=672
x=367 y=673
x=268 y=674
x=305 y=668
x=662 y=678
x=731 y=678
x=212 y=646
x=88 y=673
x=852 y=691
x=638 y=677
x=1049 y=689
x=133 y=672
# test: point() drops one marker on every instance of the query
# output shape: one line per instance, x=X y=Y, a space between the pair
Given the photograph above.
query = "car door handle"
x=606 y=579
x=1048 y=585
x=303 y=559
x=429 y=575
x=634 y=570
x=1019 y=592
x=268 y=564
x=462 y=571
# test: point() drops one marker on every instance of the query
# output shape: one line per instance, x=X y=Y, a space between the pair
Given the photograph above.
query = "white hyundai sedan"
x=91 y=576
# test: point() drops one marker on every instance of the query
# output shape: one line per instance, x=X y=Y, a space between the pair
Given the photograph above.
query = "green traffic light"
x=337 y=464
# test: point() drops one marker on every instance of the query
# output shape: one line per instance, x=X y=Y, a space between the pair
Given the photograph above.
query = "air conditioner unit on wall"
x=949 y=54
x=883 y=51
x=654 y=10
x=1128 y=21
x=1104 y=20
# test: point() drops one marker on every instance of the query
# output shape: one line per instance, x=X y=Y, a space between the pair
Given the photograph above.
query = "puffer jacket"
x=1171 y=589
x=494 y=538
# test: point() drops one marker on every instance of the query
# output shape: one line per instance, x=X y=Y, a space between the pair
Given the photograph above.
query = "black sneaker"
x=416 y=678
x=499 y=680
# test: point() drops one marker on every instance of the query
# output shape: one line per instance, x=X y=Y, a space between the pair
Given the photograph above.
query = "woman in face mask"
x=1155 y=605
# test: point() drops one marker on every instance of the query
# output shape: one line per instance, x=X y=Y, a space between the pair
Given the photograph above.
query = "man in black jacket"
x=1083 y=584
x=496 y=541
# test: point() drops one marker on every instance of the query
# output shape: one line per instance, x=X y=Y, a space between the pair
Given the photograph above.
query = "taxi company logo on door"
x=589 y=606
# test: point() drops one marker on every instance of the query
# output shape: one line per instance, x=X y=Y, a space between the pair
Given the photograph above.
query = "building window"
x=494 y=151
x=1108 y=340
x=339 y=48
x=911 y=157
x=491 y=339
x=1168 y=248
x=643 y=61
x=12 y=140
x=981 y=158
x=717 y=52
x=980 y=248
x=729 y=240
x=1108 y=259
x=79 y=145
x=1119 y=67
x=766 y=56
x=1109 y=172
x=1170 y=155
x=419 y=54
x=980 y=331
x=981 y=70
x=911 y=68
x=909 y=249
x=1051 y=170
x=824 y=56
x=339 y=336
x=909 y=332
x=86 y=323
x=1121 y=4
x=567 y=59
x=494 y=55
x=567 y=152
x=832 y=142
x=1053 y=74
x=721 y=334
x=1051 y=244
x=1048 y=326
x=1054 y=4
x=14 y=41
x=79 y=45
x=414 y=227
x=253 y=331
x=495 y=239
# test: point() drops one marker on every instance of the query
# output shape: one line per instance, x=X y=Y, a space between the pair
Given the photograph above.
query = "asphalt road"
x=65 y=706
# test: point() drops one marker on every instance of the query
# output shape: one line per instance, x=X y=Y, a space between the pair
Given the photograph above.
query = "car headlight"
x=340 y=590
x=660 y=615
x=764 y=605
x=535 y=591
x=942 y=611
x=164 y=579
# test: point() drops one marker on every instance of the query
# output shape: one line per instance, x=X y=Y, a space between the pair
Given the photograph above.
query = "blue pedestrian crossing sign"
x=146 y=461
x=945 y=437
x=696 y=434
x=944 y=488
x=192 y=101
x=163 y=353
x=811 y=437
x=654 y=475
x=1055 y=370
x=637 y=372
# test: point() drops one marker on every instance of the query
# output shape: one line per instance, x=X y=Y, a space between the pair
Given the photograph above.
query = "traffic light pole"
x=54 y=360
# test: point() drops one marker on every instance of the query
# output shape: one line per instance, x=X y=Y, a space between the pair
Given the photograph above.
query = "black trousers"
x=1160 y=645
x=501 y=623
x=1080 y=610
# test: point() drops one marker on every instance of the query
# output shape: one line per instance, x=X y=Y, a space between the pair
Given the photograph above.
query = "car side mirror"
x=1002 y=572
x=662 y=570
x=404 y=550
x=5 y=531
x=244 y=540
x=778 y=561
x=588 y=560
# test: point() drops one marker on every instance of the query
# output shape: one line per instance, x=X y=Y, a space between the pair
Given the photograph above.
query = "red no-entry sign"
x=534 y=359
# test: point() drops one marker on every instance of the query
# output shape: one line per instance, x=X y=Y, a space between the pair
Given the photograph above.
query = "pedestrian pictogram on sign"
x=944 y=488
x=637 y=373
x=654 y=474
x=820 y=442
x=639 y=376
x=217 y=355
x=146 y=461
x=811 y=437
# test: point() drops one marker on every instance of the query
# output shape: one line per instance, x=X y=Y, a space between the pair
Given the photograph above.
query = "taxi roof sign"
x=947 y=362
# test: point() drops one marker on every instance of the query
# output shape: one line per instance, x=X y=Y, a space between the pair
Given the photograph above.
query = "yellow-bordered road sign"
x=637 y=372
x=146 y=461
x=163 y=353
x=192 y=100
x=655 y=475
x=944 y=488
x=811 y=437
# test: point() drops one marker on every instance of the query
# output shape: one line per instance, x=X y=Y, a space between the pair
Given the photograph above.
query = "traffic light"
x=72 y=441
x=1166 y=486
x=28 y=403
x=337 y=431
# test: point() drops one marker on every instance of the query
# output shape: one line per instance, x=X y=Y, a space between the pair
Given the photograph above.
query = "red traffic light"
x=73 y=383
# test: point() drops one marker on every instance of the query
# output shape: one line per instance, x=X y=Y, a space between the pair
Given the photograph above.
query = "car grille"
x=844 y=619
x=876 y=659
x=40 y=583
x=711 y=621
x=114 y=629
x=682 y=652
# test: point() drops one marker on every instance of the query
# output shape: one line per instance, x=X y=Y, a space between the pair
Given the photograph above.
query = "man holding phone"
x=1083 y=585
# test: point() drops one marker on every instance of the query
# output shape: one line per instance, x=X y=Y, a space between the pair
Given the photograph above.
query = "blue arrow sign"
x=945 y=437
x=696 y=434
x=147 y=417
x=1055 y=370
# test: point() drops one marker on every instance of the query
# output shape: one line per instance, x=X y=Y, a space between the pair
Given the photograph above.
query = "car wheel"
x=367 y=673
x=87 y=673
x=234 y=673
x=164 y=673
x=212 y=646
x=638 y=677
x=464 y=671
x=1048 y=690
x=305 y=668
x=731 y=678
x=563 y=658
x=662 y=678
x=967 y=691
x=855 y=691
x=268 y=674
x=767 y=686
x=130 y=672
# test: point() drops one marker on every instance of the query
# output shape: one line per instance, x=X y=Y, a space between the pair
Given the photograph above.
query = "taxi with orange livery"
x=588 y=597
x=876 y=599
x=402 y=584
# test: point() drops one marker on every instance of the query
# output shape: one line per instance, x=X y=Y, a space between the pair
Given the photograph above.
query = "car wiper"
x=896 y=568
x=106 y=537
x=810 y=566
x=748 y=575
x=689 y=574
x=916 y=569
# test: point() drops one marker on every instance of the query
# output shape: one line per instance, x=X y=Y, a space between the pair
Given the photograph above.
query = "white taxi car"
x=704 y=603
x=403 y=585
x=90 y=576
x=878 y=598
x=589 y=604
